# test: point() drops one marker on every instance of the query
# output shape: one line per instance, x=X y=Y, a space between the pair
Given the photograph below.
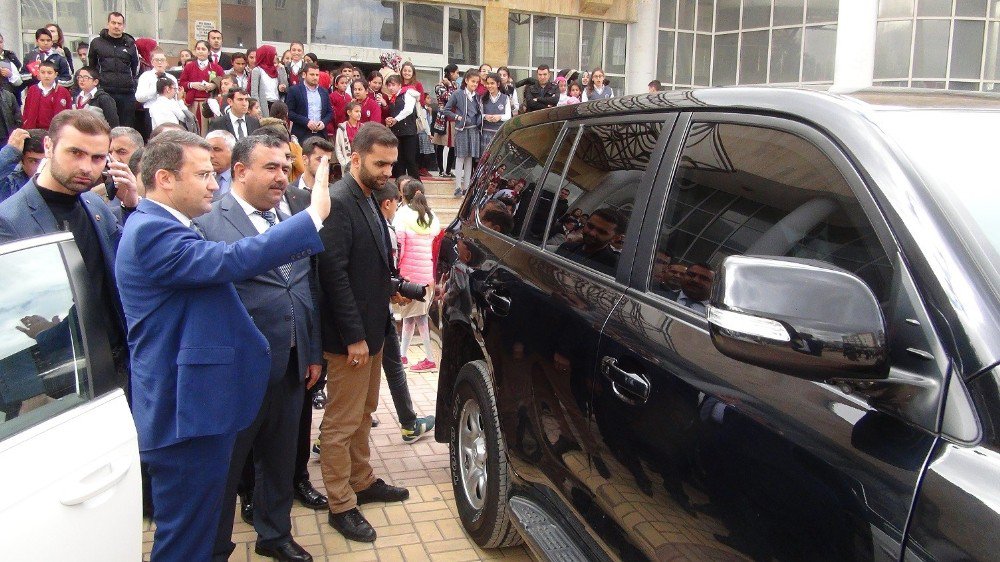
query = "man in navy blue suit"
x=200 y=366
x=58 y=199
x=309 y=107
x=282 y=304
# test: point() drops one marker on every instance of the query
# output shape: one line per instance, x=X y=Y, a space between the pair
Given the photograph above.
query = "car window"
x=509 y=179
x=742 y=189
x=43 y=370
x=588 y=195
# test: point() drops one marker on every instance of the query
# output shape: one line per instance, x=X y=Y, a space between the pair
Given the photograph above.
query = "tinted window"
x=743 y=189
x=593 y=182
x=507 y=182
x=43 y=370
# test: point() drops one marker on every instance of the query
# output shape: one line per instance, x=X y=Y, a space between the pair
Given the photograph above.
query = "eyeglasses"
x=84 y=77
x=200 y=176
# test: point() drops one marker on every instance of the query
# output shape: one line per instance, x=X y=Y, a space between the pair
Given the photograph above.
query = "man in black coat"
x=114 y=56
x=215 y=53
x=540 y=93
x=355 y=269
x=237 y=121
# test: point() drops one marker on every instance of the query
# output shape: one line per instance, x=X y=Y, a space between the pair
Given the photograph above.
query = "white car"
x=69 y=457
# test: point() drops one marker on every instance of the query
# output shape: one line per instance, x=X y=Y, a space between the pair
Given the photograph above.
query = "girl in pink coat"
x=416 y=227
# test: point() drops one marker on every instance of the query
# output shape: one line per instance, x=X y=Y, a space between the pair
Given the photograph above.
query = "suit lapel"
x=366 y=211
x=236 y=216
x=40 y=212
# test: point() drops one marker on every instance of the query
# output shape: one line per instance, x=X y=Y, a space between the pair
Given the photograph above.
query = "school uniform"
x=40 y=107
x=493 y=106
x=465 y=104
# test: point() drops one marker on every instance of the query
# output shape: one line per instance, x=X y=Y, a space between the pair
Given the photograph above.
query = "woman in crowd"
x=416 y=227
x=197 y=80
x=345 y=135
x=507 y=87
x=268 y=79
x=597 y=89
x=443 y=129
x=183 y=57
x=339 y=98
x=463 y=108
x=496 y=110
x=370 y=109
x=377 y=93
x=408 y=73
x=57 y=43
x=484 y=71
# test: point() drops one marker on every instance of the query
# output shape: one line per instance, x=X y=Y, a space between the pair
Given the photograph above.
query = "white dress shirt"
x=165 y=110
x=145 y=90
x=236 y=126
x=258 y=221
x=181 y=217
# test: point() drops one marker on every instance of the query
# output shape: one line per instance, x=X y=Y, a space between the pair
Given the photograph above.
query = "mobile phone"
x=109 y=180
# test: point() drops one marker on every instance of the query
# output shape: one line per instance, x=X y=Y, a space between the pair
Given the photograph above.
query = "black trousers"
x=392 y=364
x=272 y=438
x=444 y=167
x=126 y=109
x=407 y=160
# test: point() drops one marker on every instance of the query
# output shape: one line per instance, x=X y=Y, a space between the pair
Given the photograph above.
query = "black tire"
x=490 y=525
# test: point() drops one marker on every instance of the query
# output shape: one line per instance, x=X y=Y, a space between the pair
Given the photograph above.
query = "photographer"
x=356 y=280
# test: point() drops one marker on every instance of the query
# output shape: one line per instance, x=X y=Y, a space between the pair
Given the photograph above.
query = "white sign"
x=201 y=29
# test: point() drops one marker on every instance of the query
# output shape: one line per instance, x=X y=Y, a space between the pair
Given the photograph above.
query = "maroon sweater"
x=39 y=110
x=192 y=73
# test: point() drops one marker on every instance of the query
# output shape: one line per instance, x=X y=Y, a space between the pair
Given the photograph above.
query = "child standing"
x=416 y=227
x=463 y=108
x=197 y=79
x=496 y=110
x=45 y=99
x=345 y=135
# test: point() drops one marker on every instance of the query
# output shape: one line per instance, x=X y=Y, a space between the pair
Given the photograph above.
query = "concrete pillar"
x=495 y=39
x=204 y=10
x=854 y=65
x=10 y=26
x=640 y=65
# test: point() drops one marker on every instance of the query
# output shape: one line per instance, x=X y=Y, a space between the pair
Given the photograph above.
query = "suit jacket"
x=25 y=214
x=298 y=111
x=225 y=60
x=298 y=198
x=200 y=366
x=224 y=123
x=354 y=272
x=276 y=306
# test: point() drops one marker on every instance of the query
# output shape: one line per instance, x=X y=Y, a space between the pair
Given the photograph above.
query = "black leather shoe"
x=290 y=551
x=353 y=525
x=246 y=510
x=382 y=492
x=309 y=496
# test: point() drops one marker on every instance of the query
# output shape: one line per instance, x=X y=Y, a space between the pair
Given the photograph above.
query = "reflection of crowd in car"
x=689 y=285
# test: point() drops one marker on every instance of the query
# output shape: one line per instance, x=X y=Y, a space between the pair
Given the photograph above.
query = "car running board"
x=544 y=537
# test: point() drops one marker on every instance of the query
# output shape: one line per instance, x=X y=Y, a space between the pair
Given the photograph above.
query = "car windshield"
x=954 y=153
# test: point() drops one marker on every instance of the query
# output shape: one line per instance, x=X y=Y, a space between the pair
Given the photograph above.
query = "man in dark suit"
x=59 y=199
x=309 y=107
x=201 y=367
x=282 y=305
x=237 y=121
x=355 y=270
x=215 y=53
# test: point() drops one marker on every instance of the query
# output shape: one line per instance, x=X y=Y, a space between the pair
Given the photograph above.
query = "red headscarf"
x=265 y=60
x=145 y=46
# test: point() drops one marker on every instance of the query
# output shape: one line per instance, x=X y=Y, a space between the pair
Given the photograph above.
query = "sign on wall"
x=201 y=29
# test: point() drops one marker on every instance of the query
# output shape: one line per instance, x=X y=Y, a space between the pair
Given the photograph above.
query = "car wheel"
x=479 y=471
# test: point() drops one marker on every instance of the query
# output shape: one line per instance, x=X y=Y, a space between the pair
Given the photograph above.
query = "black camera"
x=407 y=289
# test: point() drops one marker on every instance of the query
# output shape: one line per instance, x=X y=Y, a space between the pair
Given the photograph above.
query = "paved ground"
x=425 y=527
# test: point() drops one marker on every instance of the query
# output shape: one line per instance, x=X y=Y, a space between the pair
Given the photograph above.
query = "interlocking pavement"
x=425 y=527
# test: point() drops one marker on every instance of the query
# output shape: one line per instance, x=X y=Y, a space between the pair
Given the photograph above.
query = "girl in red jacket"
x=196 y=79
x=45 y=99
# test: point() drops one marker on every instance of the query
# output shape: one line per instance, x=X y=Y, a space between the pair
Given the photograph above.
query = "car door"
x=562 y=283
x=70 y=488
x=727 y=460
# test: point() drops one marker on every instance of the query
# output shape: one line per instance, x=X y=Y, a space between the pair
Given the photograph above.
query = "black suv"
x=730 y=324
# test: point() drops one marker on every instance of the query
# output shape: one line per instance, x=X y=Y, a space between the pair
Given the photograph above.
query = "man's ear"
x=49 y=146
x=239 y=170
x=164 y=179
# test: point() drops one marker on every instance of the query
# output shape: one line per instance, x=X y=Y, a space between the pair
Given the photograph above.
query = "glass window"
x=512 y=176
x=756 y=13
x=896 y=8
x=706 y=15
x=543 y=44
x=665 y=57
x=891 y=61
x=753 y=58
x=967 y=49
x=355 y=23
x=99 y=10
x=173 y=21
x=593 y=44
x=786 y=52
x=991 y=70
x=727 y=14
x=283 y=20
x=72 y=16
x=685 y=15
x=519 y=39
x=614 y=53
x=788 y=12
x=970 y=8
x=464 y=32
x=423 y=28
x=819 y=49
x=668 y=13
x=239 y=21
x=601 y=180
x=35 y=14
x=552 y=184
x=685 y=57
x=930 y=48
x=569 y=43
x=702 y=59
x=43 y=370
x=429 y=77
x=819 y=11
x=725 y=56
x=733 y=188
x=940 y=8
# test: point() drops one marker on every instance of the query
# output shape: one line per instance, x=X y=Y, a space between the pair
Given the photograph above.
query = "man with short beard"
x=59 y=199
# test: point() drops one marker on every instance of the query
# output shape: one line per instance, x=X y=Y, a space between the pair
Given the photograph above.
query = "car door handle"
x=498 y=304
x=631 y=388
x=97 y=482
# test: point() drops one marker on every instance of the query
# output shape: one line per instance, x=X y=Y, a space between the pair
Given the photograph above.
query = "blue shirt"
x=315 y=104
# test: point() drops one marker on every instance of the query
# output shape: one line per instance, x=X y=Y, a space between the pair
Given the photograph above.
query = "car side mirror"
x=800 y=317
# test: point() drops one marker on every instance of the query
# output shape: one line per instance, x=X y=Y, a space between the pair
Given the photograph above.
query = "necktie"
x=240 y=131
x=197 y=229
x=286 y=269
x=215 y=58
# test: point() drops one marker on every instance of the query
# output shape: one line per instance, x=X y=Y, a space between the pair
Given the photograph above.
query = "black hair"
x=163 y=83
x=312 y=143
x=448 y=70
x=370 y=134
x=243 y=151
x=35 y=141
x=614 y=216
x=388 y=192
x=233 y=91
x=414 y=194
x=543 y=67
x=42 y=31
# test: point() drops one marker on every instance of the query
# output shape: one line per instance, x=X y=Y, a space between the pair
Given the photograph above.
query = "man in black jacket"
x=116 y=59
x=540 y=93
x=10 y=72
